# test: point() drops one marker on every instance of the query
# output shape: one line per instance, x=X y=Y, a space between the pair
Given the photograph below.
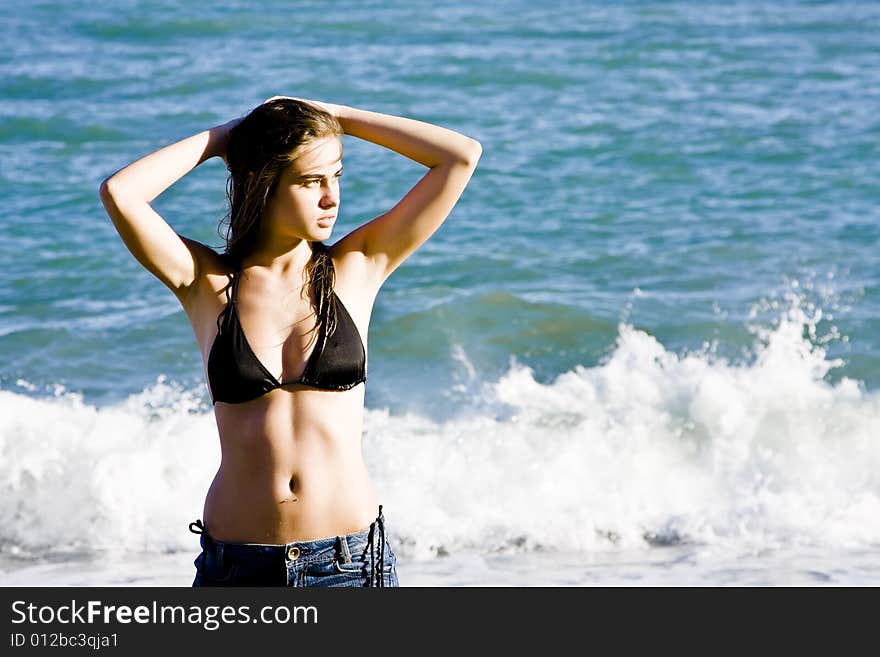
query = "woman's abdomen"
x=292 y=469
x=320 y=492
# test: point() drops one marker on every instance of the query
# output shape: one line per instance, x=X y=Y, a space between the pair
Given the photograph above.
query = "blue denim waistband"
x=300 y=551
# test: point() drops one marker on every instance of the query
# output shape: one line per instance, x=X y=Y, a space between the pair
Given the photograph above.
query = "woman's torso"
x=291 y=467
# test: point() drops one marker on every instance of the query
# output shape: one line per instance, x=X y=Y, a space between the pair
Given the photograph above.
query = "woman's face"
x=306 y=201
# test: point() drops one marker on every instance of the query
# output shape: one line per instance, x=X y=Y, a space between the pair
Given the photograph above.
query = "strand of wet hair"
x=322 y=278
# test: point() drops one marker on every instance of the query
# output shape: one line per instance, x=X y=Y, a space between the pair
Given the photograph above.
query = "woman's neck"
x=281 y=259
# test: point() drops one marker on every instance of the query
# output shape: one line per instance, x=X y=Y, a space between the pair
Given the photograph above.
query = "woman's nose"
x=330 y=197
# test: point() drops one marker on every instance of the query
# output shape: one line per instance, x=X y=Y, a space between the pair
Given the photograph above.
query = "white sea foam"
x=646 y=448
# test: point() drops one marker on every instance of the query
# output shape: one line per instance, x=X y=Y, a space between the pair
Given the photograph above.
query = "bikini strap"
x=231 y=294
x=235 y=276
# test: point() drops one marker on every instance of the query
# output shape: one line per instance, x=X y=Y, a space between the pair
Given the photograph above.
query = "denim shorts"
x=364 y=558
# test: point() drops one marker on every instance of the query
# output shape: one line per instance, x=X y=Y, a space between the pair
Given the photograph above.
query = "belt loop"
x=344 y=549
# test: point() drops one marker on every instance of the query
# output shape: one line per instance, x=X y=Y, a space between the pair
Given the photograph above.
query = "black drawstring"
x=381 y=549
x=377 y=577
x=209 y=545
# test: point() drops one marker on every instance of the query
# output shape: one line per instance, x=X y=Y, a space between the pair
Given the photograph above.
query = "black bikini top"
x=236 y=375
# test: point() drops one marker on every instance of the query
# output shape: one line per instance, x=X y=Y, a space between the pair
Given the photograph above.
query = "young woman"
x=281 y=321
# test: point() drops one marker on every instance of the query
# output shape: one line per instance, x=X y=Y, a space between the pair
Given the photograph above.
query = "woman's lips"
x=326 y=222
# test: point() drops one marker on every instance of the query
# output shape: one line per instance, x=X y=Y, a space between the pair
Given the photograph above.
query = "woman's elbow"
x=106 y=190
x=472 y=152
x=105 y=193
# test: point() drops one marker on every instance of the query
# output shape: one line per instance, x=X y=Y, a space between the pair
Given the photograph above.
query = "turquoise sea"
x=644 y=348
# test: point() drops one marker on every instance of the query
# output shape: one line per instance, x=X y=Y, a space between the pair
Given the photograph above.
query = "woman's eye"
x=317 y=181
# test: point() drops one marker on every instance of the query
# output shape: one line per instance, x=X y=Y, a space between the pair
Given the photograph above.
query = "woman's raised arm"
x=127 y=194
x=390 y=238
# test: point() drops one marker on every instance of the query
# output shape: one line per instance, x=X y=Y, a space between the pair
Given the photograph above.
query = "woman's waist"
x=277 y=480
x=306 y=550
x=280 y=507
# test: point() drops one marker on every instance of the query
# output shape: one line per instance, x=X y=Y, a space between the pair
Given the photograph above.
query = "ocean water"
x=643 y=349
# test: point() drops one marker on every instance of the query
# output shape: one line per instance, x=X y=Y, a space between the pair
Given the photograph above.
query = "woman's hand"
x=220 y=138
x=451 y=157
x=127 y=194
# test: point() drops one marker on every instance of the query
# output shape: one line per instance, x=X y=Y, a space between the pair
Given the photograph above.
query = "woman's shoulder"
x=348 y=261
x=214 y=272
x=208 y=261
x=355 y=278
